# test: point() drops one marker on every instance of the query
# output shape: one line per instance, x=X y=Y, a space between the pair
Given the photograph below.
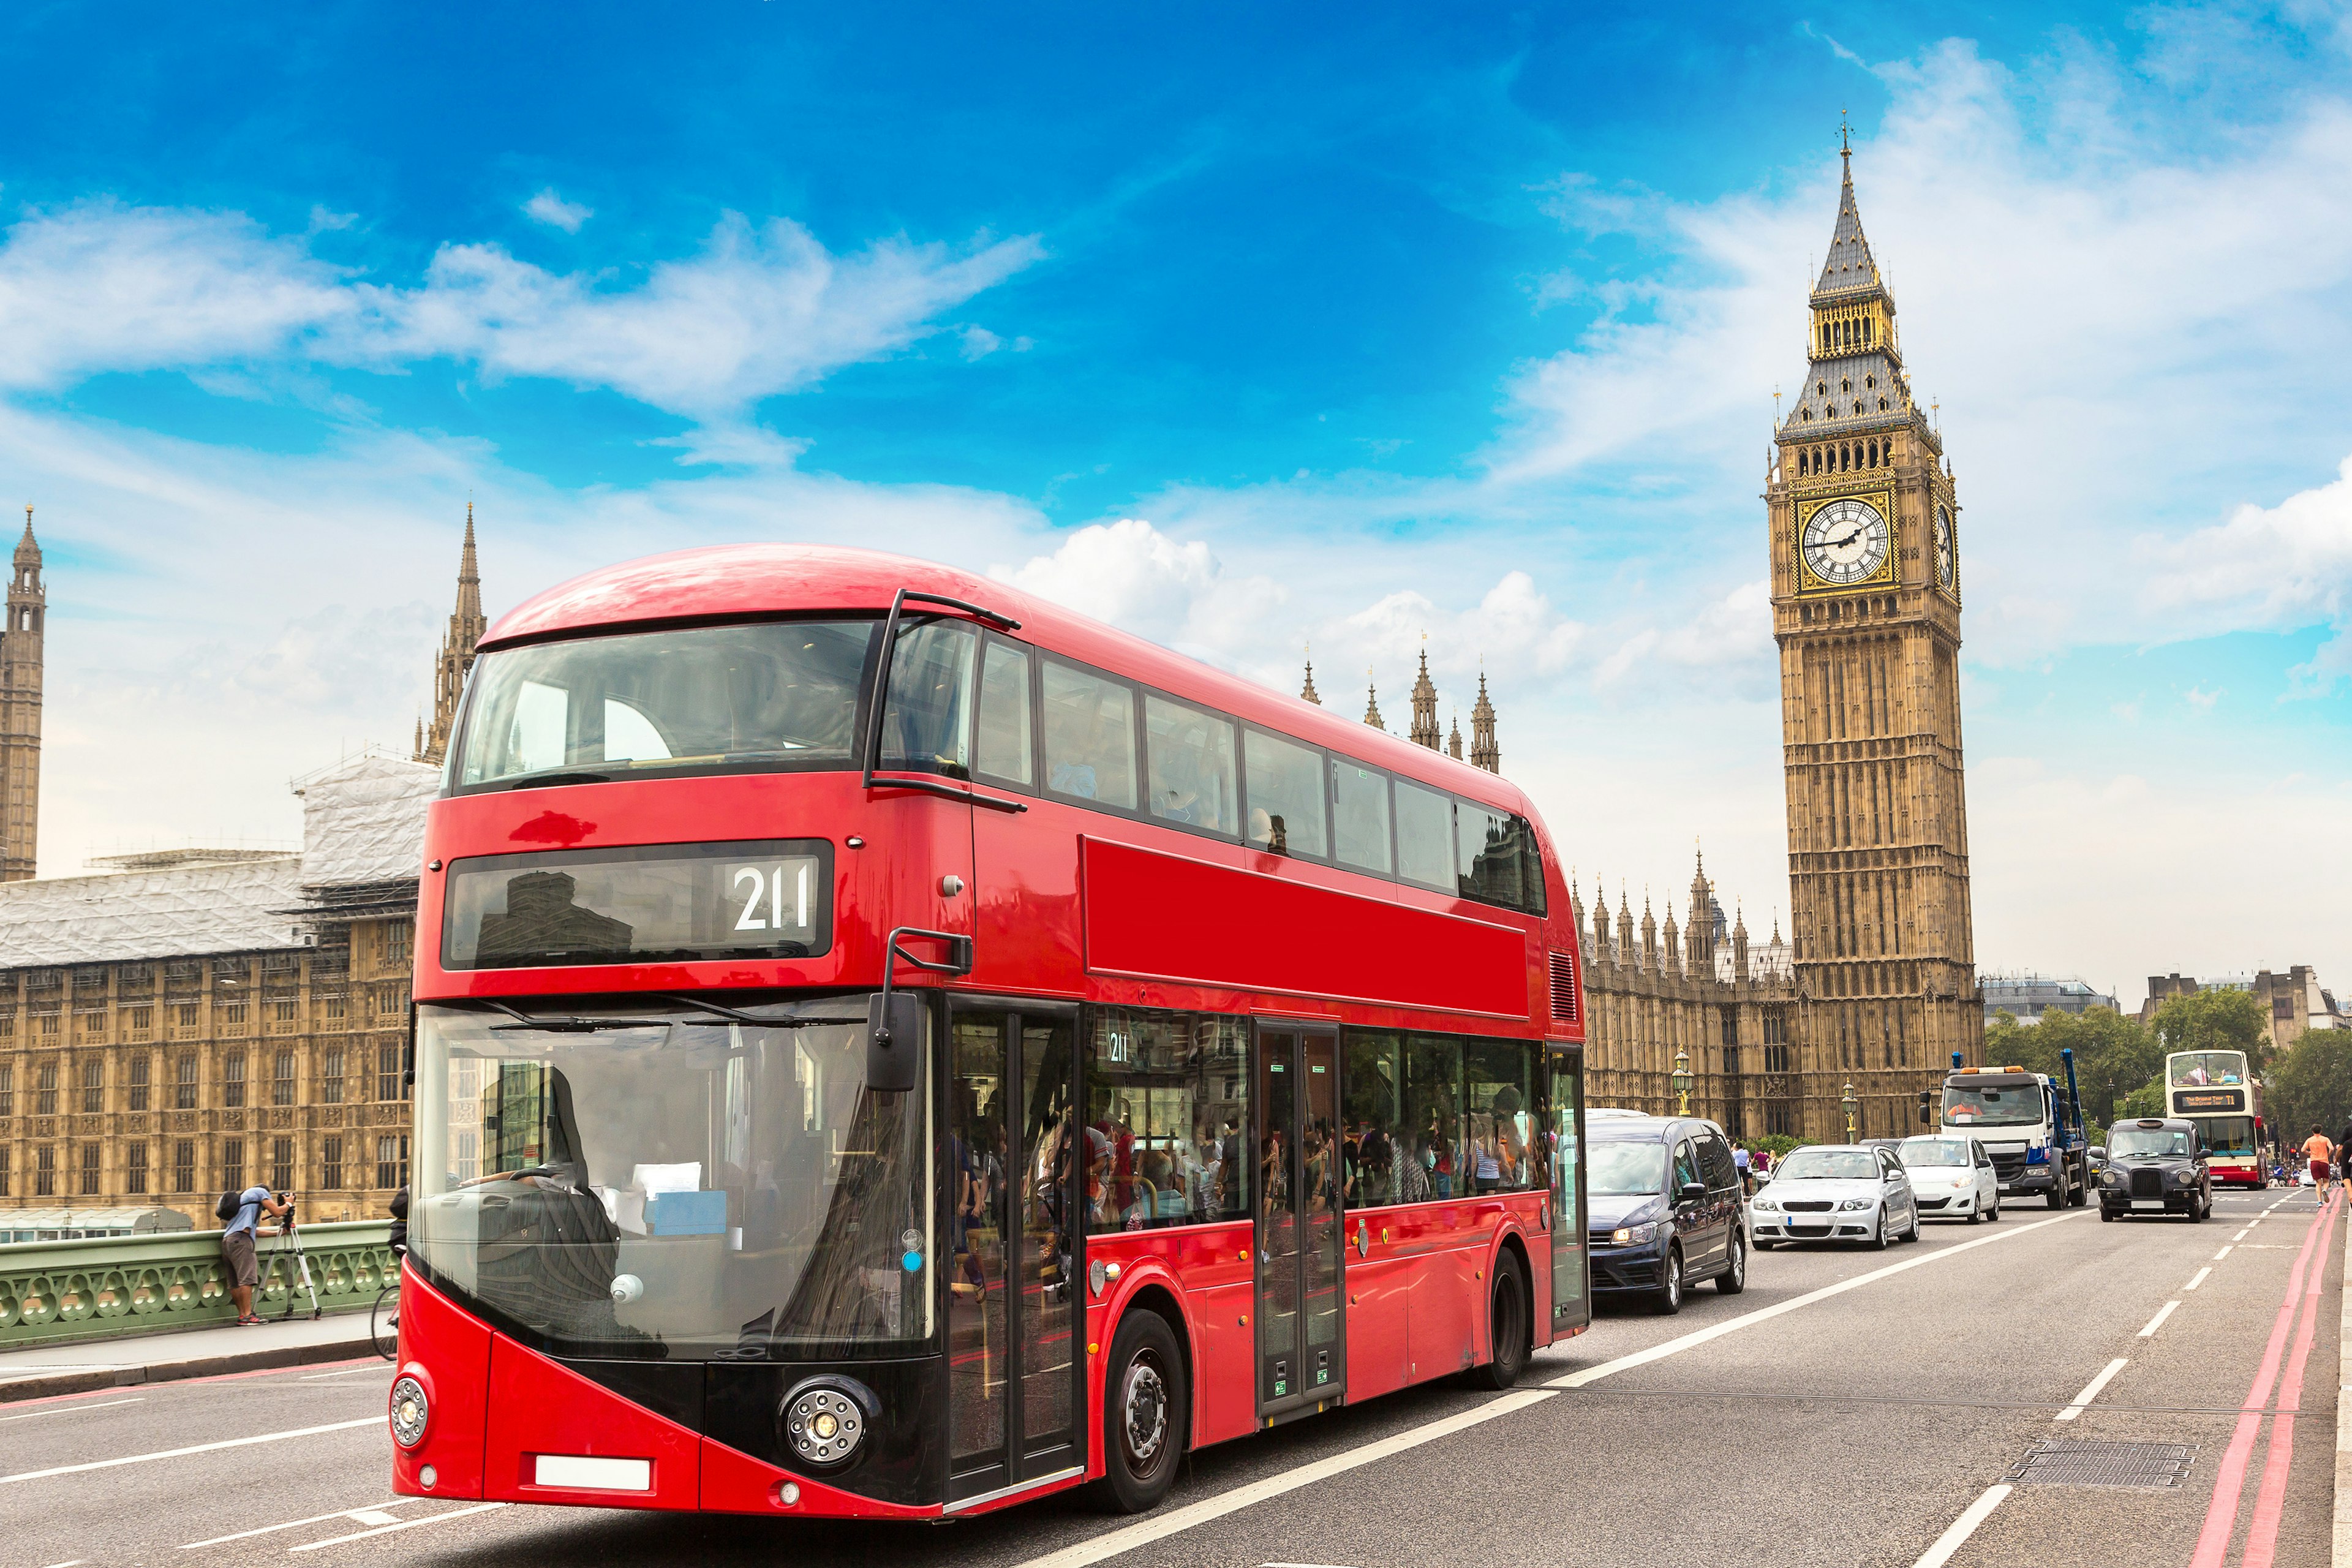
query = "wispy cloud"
x=552 y=210
x=762 y=308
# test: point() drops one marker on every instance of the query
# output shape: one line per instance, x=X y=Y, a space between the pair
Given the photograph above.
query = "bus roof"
x=735 y=582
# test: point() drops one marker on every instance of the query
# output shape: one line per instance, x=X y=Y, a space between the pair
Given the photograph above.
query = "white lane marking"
x=2221 y=1255
x=2241 y=1234
x=69 y=1562
x=2091 y=1390
x=315 y=1376
x=70 y=1409
x=1952 y=1540
x=2157 y=1322
x=195 y=1448
x=2199 y=1278
x=1701 y=1336
x=1159 y=1527
x=403 y=1524
x=371 y=1516
x=289 y=1524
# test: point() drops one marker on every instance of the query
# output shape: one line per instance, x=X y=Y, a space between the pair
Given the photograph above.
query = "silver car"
x=1951 y=1177
x=1835 y=1192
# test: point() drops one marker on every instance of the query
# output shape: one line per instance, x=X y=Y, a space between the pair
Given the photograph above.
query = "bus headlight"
x=825 y=1421
x=410 y=1412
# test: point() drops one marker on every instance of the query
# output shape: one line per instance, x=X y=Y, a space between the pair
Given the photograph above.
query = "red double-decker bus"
x=887 y=1046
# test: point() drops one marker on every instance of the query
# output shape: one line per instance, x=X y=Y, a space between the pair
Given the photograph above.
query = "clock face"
x=1845 y=541
x=1943 y=546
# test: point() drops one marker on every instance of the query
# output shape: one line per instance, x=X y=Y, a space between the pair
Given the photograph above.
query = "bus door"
x=1570 y=1299
x=1301 y=1346
x=1015 y=1157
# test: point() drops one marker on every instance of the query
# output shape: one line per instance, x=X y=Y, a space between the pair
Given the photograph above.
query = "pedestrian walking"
x=2321 y=1153
x=1745 y=1162
x=237 y=1248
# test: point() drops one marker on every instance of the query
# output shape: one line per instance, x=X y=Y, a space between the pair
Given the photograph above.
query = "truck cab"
x=2028 y=1125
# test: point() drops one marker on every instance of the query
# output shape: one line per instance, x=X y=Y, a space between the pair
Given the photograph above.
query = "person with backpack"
x=243 y=1213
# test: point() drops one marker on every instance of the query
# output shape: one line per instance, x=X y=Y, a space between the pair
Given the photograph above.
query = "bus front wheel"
x=1507 y=1331
x=1147 y=1413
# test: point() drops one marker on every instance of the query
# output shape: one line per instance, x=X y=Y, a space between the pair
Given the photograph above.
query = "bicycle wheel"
x=384 y=1322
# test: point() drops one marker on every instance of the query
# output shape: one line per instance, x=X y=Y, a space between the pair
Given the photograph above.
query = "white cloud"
x=2275 y=567
x=552 y=210
x=979 y=343
x=763 y=308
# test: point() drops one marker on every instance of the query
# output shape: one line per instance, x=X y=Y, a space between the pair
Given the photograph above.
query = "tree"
x=2112 y=1053
x=2216 y=1021
x=2312 y=1082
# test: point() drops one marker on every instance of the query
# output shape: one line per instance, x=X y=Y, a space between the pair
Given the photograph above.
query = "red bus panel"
x=1164 y=917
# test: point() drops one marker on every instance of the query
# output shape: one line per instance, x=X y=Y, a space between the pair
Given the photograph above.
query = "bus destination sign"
x=2185 y=1100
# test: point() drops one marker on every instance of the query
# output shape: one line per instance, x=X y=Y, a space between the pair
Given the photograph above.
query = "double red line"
x=2222 y=1517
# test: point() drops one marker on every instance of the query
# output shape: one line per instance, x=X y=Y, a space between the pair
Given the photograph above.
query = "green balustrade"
x=58 y=1292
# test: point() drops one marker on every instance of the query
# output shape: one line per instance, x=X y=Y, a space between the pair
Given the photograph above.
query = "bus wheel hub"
x=1146 y=1412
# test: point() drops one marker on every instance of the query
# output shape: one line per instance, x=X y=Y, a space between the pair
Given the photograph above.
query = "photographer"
x=237 y=1248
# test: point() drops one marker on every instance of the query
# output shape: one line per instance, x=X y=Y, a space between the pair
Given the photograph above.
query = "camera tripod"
x=289 y=1240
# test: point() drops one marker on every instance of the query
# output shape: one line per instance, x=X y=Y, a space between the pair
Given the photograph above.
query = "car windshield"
x=1622 y=1170
x=1935 y=1151
x=1994 y=1105
x=1828 y=1165
x=775 y=694
x=663 y=1184
x=2150 y=1142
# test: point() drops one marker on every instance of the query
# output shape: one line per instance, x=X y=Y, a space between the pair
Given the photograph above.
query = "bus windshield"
x=663 y=1183
x=2196 y=1068
x=1994 y=1105
x=2228 y=1134
x=700 y=700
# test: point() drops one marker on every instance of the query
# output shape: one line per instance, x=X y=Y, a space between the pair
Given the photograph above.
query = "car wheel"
x=1734 y=1278
x=1146 y=1415
x=2106 y=1215
x=1878 y=1237
x=1667 y=1299
x=1506 y=1326
x=1992 y=1214
x=1913 y=1234
x=2058 y=1190
x=1975 y=1212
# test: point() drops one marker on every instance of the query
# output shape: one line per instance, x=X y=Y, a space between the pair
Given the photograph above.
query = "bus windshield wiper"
x=540 y=781
x=754 y=1020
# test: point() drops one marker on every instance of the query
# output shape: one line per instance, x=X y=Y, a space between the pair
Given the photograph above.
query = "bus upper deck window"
x=1089 y=736
x=1286 y=796
x=1003 y=752
x=1191 y=758
x=1424 y=833
x=926 y=725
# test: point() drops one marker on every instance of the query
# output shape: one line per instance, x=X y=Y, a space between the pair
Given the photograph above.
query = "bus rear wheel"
x=1508 y=1333
x=1147 y=1413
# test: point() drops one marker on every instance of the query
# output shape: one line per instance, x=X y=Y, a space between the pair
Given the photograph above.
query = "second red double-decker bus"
x=887 y=1046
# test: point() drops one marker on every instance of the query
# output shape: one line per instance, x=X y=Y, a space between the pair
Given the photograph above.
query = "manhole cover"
x=2074 y=1464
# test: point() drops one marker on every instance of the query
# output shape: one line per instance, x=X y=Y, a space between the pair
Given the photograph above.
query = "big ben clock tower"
x=1866 y=577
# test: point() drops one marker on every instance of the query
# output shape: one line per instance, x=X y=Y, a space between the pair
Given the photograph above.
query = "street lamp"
x=1851 y=1106
x=1682 y=1081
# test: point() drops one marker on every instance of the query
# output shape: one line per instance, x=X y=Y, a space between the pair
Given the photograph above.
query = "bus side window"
x=1004 y=751
x=1424 y=832
x=927 y=723
x=1089 y=736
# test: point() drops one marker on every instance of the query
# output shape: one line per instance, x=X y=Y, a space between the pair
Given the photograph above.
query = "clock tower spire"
x=1867 y=611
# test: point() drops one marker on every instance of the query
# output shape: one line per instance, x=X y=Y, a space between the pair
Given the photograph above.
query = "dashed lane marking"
x=2199 y=1278
x=360 y=1514
x=2221 y=1255
x=1176 y=1520
x=192 y=1448
x=1952 y=1540
x=1764 y=1314
x=70 y=1409
x=403 y=1524
x=2157 y=1322
x=2091 y=1389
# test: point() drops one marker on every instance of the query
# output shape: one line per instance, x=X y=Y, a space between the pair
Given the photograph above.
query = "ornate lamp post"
x=1682 y=1081
x=1852 y=1107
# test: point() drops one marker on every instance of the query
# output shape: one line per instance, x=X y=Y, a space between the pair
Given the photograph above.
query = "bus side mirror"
x=894 y=1041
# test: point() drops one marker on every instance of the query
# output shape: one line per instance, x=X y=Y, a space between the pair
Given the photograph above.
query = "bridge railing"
x=58 y=1292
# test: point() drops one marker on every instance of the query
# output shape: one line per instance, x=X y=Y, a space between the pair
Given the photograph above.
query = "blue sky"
x=1247 y=328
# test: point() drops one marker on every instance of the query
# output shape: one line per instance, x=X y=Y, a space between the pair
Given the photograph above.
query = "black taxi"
x=2155 y=1165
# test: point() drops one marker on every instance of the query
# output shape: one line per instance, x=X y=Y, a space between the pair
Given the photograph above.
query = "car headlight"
x=410 y=1412
x=2112 y=1179
x=1634 y=1235
x=2184 y=1178
x=1765 y=1205
x=1852 y=1206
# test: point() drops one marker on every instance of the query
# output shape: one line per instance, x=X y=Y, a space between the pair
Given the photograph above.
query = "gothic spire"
x=1454 y=739
x=1853 y=372
x=1424 y=703
x=1484 y=752
x=1307 y=691
x=466 y=625
x=1373 y=706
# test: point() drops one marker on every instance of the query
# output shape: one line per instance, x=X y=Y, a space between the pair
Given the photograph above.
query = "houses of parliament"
x=185 y=1021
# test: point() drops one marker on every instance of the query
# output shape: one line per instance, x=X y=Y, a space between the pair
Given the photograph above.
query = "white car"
x=1835 y=1192
x=1951 y=1177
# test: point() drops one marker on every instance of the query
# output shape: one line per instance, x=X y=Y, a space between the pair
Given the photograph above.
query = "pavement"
x=44 y=1371
x=1890 y=1409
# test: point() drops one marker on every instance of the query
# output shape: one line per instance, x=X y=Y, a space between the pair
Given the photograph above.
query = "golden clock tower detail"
x=1866 y=609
